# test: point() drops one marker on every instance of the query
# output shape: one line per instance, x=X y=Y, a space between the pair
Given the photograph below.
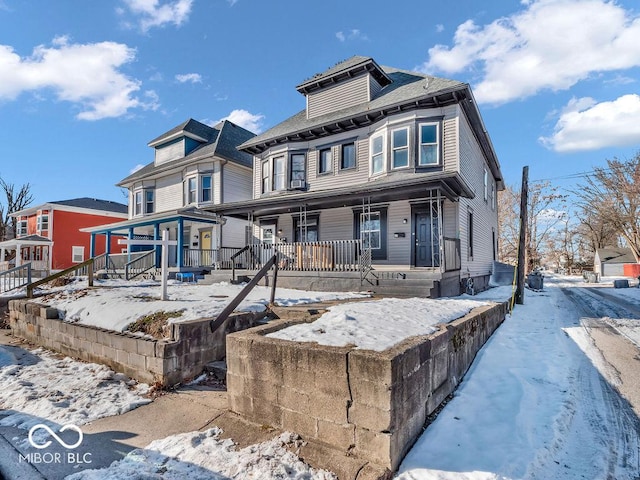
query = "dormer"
x=180 y=141
x=352 y=82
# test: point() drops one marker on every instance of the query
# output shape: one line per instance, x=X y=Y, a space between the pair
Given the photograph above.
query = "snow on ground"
x=532 y=406
x=202 y=455
x=116 y=303
x=378 y=324
x=38 y=387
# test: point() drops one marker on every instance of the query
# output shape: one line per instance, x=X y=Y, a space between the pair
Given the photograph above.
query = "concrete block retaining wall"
x=372 y=405
x=166 y=362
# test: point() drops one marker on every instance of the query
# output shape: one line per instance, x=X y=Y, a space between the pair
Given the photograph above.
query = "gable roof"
x=220 y=141
x=615 y=255
x=83 y=202
x=344 y=70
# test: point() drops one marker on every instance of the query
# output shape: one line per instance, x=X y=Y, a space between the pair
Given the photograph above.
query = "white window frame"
x=148 y=203
x=329 y=166
x=355 y=156
x=77 y=251
x=265 y=177
x=40 y=222
x=137 y=202
x=279 y=179
x=366 y=232
x=22 y=227
x=298 y=174
x=485 y=183
x=381 y=154
x=209 y=189
x=395 y=149
x=436 y=144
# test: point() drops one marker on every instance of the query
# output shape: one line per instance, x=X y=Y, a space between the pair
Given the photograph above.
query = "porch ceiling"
x=406 y=187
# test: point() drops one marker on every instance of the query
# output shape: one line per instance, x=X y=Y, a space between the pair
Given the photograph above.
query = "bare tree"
x=508 y=225
x=15 y=200
x=613 y=196
x=595 y=231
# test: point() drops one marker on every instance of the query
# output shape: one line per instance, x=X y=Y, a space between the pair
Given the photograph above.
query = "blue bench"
x=185 y=277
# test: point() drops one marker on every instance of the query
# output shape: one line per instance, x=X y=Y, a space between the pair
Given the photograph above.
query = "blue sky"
x=84 y=86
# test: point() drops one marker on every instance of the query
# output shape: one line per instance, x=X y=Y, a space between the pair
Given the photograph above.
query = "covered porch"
x=197 y=234
x=33 y=249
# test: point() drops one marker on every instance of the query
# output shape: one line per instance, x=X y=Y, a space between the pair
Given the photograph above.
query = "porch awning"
x=398 y=186
x=28 y=241
x=191 y=214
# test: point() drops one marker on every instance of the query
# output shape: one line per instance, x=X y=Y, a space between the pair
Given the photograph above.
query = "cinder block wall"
x=369 y=404
x=165 y=362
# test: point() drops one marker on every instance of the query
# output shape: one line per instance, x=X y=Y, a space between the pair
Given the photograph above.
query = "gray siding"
x=485 y=218
x=233 y=232
x=342 y=95
x=374 y=88
x=236 y=183
x=450 y=154
x=170 y=152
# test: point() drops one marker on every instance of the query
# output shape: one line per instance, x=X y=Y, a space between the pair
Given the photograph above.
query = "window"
x=148 y=201
x=348 y=158
x=305 y=231
x=192 y=190
x=370 y=230
x=429 y=152
x=278 y=173
x=205 y=188
x=138 y=203
x=266 y=186
x=485 y=181
x=77 y=254
x=298 y=171
x=470 y=234
x=42 y=222
x=325 y=164
x=400 y=148
x=377 y=154
x=22 y=228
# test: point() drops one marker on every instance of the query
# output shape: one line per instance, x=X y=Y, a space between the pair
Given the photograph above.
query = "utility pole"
x=523 y=235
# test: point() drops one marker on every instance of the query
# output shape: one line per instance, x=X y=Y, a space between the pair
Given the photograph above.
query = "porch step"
x=424 y=290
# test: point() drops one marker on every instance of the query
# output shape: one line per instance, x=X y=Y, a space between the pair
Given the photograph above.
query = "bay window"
x=377 y=154
x=279 y=172
x=428 y=144
x=205 y=189
x=325 y=163
x=400 y=147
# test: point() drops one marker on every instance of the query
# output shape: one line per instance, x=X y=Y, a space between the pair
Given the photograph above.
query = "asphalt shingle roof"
x=222 y=140
x=93 y=203
x=616 y=255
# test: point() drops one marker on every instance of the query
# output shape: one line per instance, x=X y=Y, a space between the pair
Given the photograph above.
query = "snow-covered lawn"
x=203 y=456
x=115 y=304
x=380 y=324
x=39 y=387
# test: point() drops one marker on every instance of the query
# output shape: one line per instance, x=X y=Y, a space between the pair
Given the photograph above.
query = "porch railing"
x=140 y=265
x=15 y=277
x=82 y=269
x=451 y=254
x=218 y=258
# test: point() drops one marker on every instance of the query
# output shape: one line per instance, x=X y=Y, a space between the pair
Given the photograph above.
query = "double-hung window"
x=428 y=139
x=298 y=170
x=279 y=172
x=400 y=147
x=192 y=190
x=137 y=204
x=22 y=228
x=348 y=158
x=205 y=189
x=77 y=254
x=325 y=164
x=266 y=184
x=42 y=222
x=377 y=154
x=148 y=201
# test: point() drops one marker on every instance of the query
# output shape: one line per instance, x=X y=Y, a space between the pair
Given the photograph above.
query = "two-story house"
x=195 y=166
x=49 y=236
x=384 y=170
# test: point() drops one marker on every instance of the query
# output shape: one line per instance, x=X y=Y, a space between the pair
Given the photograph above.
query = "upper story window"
x=198 y=189
x=143 y=201
x=279 y=173
x=485 y=182
x=149 y=196
x=42 y=222
x=428 y=138
x=266 y=184
x=377 y=154
x=22 y=228
x=325 y=162
x=206 y=189
x=400 y=147
x=348 y=156
x=192 y=190
x=298 y=170
x=137 y=204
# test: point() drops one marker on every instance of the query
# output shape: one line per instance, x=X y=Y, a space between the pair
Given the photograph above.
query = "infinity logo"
x=53 y=434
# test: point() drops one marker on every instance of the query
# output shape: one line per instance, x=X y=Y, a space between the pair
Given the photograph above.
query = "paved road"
x=620 y=354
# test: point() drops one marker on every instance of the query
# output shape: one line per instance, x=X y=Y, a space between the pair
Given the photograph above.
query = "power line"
x=573 y=175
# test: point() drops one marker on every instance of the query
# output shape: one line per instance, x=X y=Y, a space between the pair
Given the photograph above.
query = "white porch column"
x=18 y=254
x=1 y=254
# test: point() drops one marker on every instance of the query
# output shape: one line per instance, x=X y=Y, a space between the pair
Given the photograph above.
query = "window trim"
x=419 y=144
x=39 y=222
x=22 y=227
x=148 y=191
x=283 y=174
x=74 y=251
x=137 y=203
x=382 y=252
x=342 y=168
x=383 y=135
x=291 y=170
x=485 y=183
x=406 y=147
x=265 y=187
x=202 y=189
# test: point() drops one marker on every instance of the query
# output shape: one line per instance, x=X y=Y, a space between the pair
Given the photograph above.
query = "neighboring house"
x=610 y=261
x=194 y=166
x=49 y=235
x=384 y=169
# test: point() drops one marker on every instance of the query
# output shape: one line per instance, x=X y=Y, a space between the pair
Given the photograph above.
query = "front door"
x=268 y=233
x=427 y=251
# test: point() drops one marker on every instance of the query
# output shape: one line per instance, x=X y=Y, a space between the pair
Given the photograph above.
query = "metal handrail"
x=236 y=255
x=139 y=265
x=15 y=277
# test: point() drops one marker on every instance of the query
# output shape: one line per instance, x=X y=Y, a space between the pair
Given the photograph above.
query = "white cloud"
x=189 y=77
x=587 y=125
x=153 y=14
x=353 y=34
x=248 y=120
x=84 y=74
x=550 y=45
x=439 y=28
